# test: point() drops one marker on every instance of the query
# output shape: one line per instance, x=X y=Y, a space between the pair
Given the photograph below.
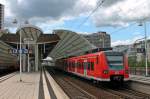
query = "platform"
x=27 y=89
x=141 y=79
x=31 y=87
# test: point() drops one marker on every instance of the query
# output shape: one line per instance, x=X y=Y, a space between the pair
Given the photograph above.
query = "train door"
x=85 y=67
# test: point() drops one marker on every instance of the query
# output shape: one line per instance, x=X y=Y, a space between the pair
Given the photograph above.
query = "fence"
x=139 y=71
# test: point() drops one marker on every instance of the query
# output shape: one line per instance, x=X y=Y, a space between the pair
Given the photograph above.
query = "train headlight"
x=105 y=71
x=127 y=71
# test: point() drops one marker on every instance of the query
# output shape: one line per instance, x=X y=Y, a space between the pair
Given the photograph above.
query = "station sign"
x=17 y=51
x=140 y=50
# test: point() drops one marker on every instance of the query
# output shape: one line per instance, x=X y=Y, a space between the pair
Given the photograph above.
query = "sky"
x=119 y=18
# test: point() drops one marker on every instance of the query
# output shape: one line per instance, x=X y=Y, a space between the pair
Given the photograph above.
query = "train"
x=104 y=66
x=8 y=61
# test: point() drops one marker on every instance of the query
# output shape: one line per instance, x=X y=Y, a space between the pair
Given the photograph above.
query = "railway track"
x=72 y=86
x=72 y=90
x=127 y=93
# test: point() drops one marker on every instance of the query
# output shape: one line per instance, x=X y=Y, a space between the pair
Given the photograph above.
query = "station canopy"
x=29 y=31
x=60 y=44
x=34 y=36
x=70 y=44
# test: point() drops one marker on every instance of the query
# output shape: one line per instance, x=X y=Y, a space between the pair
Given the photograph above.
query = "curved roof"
x=29 y=31
x=70 y=44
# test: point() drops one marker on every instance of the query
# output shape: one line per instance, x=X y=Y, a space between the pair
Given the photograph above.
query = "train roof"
x=110 y=52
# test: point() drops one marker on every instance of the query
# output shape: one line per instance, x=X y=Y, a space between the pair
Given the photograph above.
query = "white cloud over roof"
x=111 y=13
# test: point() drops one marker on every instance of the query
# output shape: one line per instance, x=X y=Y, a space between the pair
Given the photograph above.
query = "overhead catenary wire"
x=93 y=11
x=122 y=28
x=83 y=7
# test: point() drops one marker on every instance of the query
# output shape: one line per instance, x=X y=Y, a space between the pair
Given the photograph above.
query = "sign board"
x=17 y=51
x=140 y=50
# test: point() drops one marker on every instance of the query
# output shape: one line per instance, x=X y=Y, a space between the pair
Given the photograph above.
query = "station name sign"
x=17 y=51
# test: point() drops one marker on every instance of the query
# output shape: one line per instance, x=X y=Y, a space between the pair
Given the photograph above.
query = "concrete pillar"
x=36 y=57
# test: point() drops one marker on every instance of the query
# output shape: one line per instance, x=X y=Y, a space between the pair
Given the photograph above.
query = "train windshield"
x=115 y=60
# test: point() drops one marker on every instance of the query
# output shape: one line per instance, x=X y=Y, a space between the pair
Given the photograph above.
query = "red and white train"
x=100 y=66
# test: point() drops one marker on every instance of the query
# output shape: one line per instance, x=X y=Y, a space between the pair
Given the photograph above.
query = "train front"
x=117 y=66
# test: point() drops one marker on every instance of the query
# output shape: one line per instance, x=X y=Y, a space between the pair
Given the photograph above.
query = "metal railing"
x=139 y=71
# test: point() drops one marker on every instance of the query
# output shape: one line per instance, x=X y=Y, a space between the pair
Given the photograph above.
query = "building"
x=99 y=39
x=132 y=50
x=121 y=48
x=1 y=16
x=141 y=44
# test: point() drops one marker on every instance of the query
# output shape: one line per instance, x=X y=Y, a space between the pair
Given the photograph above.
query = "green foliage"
x=133 y=63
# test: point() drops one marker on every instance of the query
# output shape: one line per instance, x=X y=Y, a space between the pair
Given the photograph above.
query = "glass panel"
x=89 y=65
x=115 y=62
x=92 y=66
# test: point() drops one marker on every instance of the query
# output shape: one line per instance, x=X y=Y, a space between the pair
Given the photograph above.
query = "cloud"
x=122 y=12
x=54 y=9
x=38 y=12
x=121 y=42
x=111 y=13
x=108 y=3
x=40 y=8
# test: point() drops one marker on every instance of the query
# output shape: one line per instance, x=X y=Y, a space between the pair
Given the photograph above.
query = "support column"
x=36 y=57
x=24 y=60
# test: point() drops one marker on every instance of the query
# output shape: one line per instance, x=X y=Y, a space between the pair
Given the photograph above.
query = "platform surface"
x=138 y=78
x=12 y=88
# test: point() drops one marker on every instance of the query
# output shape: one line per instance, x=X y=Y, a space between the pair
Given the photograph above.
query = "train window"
x=82 y=65
x=85 y=64
x=97 y=59
x=115 y=62
x=79 y=65
x=74 y=64
x=89 y=64
x=70 y=64
x=92 y=66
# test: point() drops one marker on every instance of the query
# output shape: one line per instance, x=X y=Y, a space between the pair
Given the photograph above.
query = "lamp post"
x=146 y=60
x=20 y=52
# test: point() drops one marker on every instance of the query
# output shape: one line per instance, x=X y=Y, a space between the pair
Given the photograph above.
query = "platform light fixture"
x=20 y=52
x=146 y=59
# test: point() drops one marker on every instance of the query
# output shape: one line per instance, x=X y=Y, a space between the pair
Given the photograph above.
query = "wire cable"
x=99 y=4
